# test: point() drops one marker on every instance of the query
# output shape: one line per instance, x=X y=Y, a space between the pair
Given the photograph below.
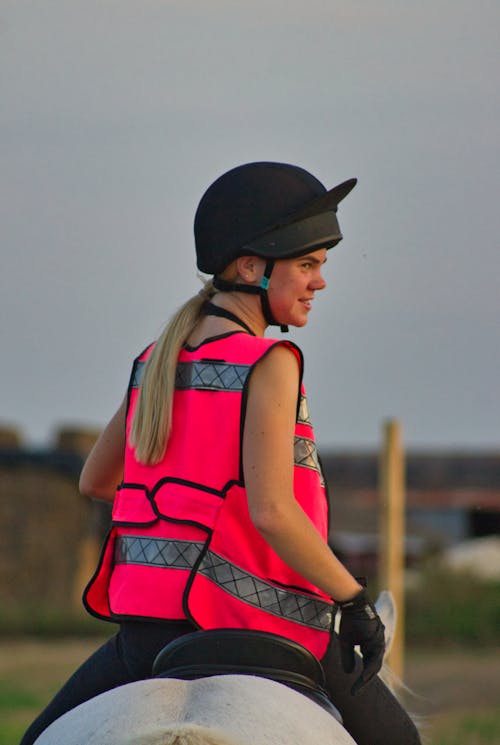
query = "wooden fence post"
x=392 y=532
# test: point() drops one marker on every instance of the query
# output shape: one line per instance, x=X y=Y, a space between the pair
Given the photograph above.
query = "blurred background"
x=114 y=119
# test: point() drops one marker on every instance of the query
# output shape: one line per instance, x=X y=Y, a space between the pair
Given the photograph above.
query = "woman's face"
x=292 y=286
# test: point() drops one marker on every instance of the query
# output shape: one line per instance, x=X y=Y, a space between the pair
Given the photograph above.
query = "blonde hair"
x=152 y=420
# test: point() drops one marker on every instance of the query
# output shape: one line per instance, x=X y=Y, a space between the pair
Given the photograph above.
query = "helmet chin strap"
x=225 y=286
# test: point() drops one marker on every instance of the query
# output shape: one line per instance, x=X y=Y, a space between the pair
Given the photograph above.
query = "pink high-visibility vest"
x=182 y=544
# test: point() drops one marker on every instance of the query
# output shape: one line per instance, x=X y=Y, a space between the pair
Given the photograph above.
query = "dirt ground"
x=442 y=680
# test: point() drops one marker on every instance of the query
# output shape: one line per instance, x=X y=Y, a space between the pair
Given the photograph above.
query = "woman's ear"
x=250 y=268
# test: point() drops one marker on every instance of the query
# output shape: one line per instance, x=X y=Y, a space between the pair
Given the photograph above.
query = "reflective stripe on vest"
x=172 y=554
x=157 y=552
x=255 y=591
x=209 y=376
x=303 y=417
x=305 y=454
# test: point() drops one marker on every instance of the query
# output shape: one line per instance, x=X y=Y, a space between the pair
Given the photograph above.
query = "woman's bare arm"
x=268 y=463
x=103 y=469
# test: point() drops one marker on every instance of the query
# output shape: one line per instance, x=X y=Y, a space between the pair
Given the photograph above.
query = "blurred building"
x=450 y=497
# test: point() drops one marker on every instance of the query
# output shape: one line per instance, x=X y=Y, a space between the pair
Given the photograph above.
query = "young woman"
x=220 y=519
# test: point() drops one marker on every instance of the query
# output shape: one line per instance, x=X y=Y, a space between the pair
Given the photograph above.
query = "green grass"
x=18 y=707
x=31 y=672
x=11 y=733
x=17 y=698
x=452 y=609
x=468 y=728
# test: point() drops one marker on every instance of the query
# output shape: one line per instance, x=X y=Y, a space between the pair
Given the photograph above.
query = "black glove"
x=361 y=625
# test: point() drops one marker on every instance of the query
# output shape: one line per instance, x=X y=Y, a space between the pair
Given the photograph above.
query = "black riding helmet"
x=271 y=210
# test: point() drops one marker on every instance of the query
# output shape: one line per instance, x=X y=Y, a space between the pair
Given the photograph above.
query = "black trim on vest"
x=89 y=584
x=230 y=484
x=134 y=523
x=189 y=584
x=295 y=588
x=140 y=487
x=123 y=617
x=327 y=494
x=209 y=340
x=178 y=520
x=160 y=516
x=137 y=373
x=150 y=496
x=130 y=386
x=184 y=482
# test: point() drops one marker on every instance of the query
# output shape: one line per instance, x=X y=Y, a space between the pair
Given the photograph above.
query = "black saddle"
x=241 y=652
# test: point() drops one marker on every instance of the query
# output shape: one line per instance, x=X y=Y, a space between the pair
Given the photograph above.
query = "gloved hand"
x=361 y=625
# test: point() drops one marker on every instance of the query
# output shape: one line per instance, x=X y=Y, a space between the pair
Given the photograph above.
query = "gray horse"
x=218 y=710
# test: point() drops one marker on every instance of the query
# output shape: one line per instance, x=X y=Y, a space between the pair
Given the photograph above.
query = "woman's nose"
x=318 y=283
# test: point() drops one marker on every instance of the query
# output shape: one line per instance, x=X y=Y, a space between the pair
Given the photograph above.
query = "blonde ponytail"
x=152 y=421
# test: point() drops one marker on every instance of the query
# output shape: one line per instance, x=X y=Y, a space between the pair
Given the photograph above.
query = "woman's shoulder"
x=276 y=353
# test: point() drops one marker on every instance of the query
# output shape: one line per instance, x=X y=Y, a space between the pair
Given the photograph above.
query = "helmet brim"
x=314 y=226
x=289 y=210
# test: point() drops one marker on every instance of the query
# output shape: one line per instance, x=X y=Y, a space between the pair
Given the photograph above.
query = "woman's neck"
x=245 y=308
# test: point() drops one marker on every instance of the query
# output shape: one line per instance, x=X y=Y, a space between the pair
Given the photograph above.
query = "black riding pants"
x=373 y=717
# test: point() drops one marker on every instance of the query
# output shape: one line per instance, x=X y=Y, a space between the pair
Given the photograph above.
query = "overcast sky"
x=115 y=115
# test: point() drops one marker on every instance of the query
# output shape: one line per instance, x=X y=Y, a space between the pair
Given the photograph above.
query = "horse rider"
x=220 y=519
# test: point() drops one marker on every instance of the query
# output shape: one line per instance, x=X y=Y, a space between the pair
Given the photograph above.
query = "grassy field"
x=453 y=659
x=457 y=691
x=456 y=694
x=469 y=728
